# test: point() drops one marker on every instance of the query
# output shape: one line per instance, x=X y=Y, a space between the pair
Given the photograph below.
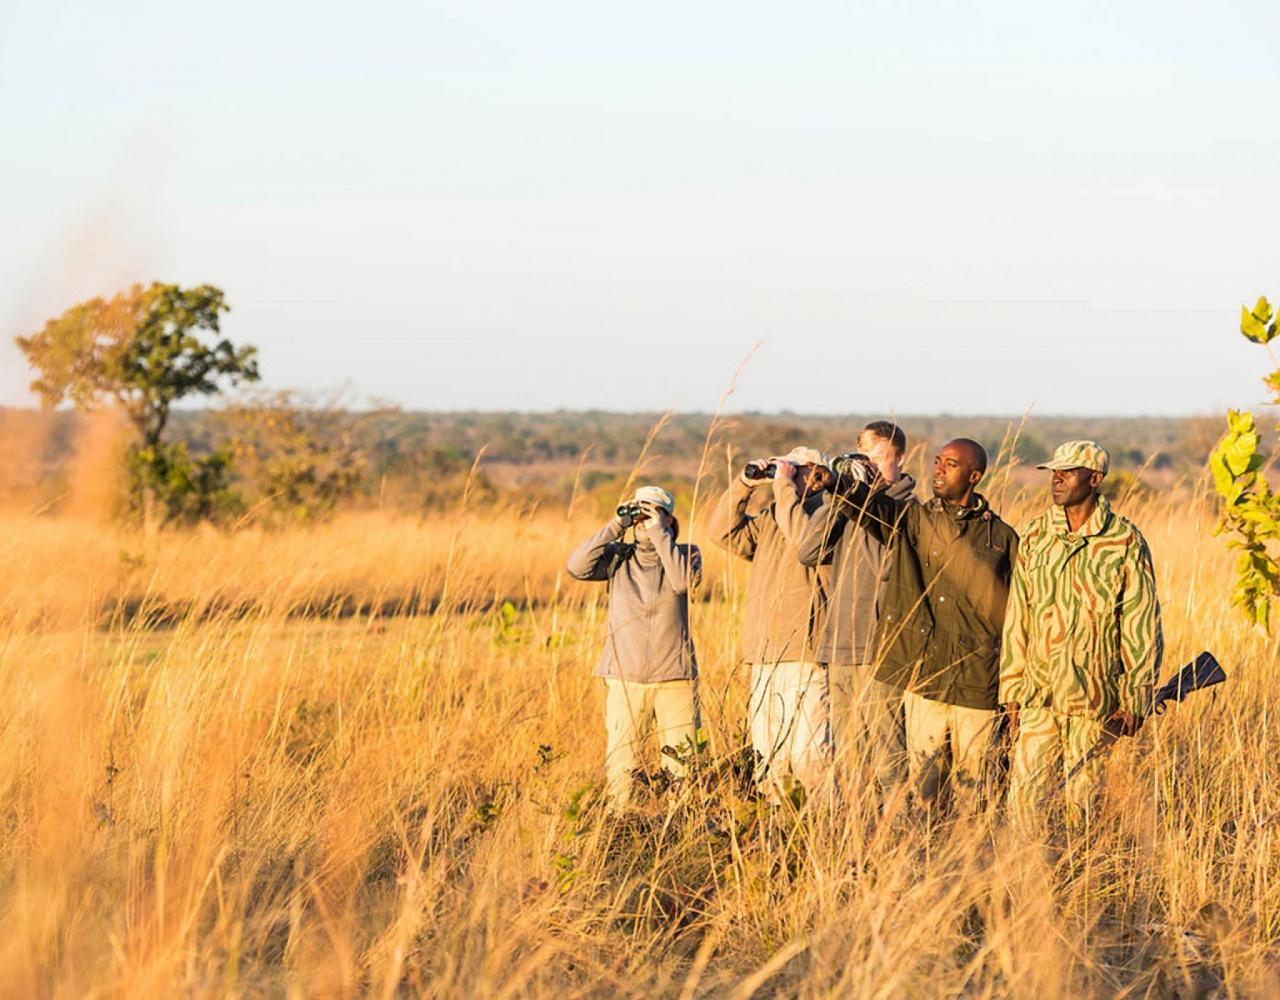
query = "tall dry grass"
x=240 y=793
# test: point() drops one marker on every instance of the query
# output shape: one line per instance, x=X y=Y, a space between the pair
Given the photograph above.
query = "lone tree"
x=141 y=350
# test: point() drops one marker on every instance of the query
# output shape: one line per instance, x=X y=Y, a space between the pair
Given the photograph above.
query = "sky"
x=877 y=206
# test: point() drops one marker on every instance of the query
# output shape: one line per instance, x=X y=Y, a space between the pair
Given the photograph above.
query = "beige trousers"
x=630 y=714
x=947 y=739
x=788 y=718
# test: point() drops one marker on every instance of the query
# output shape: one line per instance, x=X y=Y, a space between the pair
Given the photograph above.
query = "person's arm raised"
x=864 y=501
x=590 y=560
x=682 y=563
x=731 y=527
x=817 y=542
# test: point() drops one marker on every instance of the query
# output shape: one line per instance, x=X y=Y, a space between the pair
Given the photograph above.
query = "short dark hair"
x=978 y=452
x=886 y=430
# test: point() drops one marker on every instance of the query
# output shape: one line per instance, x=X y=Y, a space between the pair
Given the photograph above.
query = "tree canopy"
x=140 y=349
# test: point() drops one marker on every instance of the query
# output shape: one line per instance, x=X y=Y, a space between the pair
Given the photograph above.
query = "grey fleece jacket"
x=859 y=562
x=648 y=641
x=783 y=613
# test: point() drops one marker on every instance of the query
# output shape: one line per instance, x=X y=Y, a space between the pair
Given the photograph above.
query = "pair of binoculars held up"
x=756 y=471
x=631 y=512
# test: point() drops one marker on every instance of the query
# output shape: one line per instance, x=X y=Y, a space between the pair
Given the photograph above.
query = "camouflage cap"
x=802 y=456
x=1079 y=455
x=657 y=496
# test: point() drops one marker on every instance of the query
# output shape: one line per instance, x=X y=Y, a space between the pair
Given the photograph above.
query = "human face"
x=882 y=454
x=1073 y=486
x=954 y=473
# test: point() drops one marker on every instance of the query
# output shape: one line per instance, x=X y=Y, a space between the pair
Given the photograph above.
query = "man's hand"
x=784 y=470
x=657 y=521
x=1011 y=713
x=850 y=470
x=1126 y=721
x=759 y=463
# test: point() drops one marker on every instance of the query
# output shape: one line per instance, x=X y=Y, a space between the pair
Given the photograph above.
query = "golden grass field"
x=212 y=788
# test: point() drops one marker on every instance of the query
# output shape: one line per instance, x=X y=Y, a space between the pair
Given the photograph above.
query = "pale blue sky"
x=915 y=206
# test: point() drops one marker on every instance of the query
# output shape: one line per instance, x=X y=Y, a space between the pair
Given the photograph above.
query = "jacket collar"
x=1095 y=525
x=902 y=489
x=980 y=511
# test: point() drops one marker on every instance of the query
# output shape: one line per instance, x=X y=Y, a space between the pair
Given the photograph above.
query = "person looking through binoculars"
x=648 y=663
x=782 y=618
x=867 y=724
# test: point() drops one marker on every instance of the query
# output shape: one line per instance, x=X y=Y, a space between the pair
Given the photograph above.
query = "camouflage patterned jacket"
x=1082 y=633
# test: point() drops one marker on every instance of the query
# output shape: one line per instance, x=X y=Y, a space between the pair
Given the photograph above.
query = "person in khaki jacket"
x=782 y=619
x=942 y=609
x=648 y=663
x=1082 y=639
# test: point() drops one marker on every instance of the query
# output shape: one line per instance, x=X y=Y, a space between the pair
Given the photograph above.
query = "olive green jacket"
x=1083 y=634
x=943 y=602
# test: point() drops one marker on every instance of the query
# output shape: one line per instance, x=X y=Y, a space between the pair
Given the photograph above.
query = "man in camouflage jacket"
x=1082 y=641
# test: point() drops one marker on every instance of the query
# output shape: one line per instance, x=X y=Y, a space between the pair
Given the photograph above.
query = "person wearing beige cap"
x=1082 y=641
x=648 y=663
x=782 y=619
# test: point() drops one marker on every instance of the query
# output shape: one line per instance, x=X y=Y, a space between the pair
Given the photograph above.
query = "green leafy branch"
x=1250 y=508
x=1259 y=323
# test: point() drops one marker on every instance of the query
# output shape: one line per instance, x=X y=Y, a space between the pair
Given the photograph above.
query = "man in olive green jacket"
x=782 y=619
x=941 y=614
x=1082 y=639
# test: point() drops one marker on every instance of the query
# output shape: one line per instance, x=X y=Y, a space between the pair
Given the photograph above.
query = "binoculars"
x=755 y=471
x=631 y=512
x=854 y=466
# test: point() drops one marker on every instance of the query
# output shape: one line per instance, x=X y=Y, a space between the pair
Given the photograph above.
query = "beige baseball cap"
x=657 y=496
x=802 y=456
x=1079 y=455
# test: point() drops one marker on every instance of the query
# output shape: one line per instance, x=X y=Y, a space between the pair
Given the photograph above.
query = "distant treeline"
x=420 y=460
x=446 y=441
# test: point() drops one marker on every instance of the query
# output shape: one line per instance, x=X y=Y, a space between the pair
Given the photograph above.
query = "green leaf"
x=1222 y=478
x=1239 y=421
x=1254 y=325
x=1239 y=451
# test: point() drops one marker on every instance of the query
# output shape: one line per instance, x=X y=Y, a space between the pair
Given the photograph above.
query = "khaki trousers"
x=1048 y=748
x=789 y=720
x=868 y=728
x=944 y=739
x=630 y=713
